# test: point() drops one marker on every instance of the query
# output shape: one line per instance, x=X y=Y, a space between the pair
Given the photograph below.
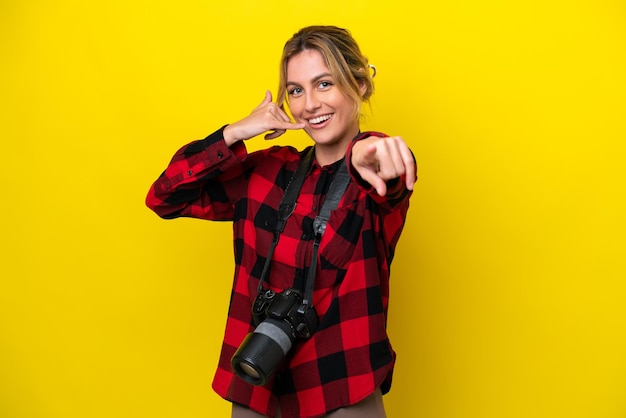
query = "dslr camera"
x=279 y=318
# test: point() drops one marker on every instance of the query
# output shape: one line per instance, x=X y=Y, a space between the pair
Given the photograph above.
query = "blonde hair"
x=343 y=57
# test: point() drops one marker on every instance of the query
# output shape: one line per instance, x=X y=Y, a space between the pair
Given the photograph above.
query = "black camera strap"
x=287 y=206
x=335 y=192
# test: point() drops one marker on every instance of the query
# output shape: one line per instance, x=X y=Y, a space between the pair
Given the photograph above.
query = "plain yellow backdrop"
x=508 y=284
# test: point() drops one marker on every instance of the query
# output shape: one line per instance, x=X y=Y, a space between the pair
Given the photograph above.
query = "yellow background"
x=508 y=285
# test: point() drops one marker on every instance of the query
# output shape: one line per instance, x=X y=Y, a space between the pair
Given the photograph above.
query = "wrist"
x=229 y=136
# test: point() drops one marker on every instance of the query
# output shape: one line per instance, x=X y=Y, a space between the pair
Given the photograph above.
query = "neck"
x=326 y=154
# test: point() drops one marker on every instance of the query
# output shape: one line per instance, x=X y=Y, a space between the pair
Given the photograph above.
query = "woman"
x=345 y=366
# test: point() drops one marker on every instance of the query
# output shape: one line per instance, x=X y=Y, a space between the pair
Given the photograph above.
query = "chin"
x=323 y=138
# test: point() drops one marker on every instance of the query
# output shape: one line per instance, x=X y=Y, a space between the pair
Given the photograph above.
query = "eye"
x=324 y=85
x=296 y=91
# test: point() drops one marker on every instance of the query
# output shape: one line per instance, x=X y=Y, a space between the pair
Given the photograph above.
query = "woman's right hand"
x=265 y=117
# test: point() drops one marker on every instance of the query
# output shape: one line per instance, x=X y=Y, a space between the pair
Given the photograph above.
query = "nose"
x=312 y=102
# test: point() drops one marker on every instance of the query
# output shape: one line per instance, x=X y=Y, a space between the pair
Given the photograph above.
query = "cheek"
x=340 y=101
x=295 y=108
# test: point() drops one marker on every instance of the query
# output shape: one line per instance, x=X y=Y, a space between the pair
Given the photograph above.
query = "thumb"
x=267 y=99
x=369 y=157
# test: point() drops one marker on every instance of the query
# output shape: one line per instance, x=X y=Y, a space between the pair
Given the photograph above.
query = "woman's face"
x=316 y=101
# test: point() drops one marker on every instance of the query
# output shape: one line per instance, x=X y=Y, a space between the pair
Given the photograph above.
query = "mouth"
x=319 y=121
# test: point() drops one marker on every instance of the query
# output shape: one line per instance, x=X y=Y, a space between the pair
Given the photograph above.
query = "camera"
x=280 y=318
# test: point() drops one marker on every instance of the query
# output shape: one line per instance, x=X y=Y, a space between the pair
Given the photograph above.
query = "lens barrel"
x=262 y=351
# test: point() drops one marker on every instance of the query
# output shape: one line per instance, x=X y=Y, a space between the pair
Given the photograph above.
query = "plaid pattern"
x=350 y=355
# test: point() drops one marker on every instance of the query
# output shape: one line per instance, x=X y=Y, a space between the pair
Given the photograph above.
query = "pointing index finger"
x=409 y=165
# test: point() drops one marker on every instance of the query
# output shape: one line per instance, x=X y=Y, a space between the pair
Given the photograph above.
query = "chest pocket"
x=340 y=244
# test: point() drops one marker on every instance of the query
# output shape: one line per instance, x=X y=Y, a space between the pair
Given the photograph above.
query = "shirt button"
x=220 y=155
x=314 y=208
x=190 y=172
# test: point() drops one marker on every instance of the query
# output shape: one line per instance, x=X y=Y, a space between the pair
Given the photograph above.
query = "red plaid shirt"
x=349 y=355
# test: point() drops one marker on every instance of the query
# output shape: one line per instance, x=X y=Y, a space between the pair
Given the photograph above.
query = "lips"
x=319 y=119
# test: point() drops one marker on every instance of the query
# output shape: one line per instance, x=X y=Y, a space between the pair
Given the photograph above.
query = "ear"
x=362 y=87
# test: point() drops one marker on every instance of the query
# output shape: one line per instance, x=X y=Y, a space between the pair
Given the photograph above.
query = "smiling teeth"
x=319 y=119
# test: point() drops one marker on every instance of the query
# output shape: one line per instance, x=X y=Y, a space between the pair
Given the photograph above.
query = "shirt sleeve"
x=203 y=180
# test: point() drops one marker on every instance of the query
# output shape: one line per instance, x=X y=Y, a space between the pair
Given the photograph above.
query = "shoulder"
x=367 y=134
x=278 y=155
x=273 y=162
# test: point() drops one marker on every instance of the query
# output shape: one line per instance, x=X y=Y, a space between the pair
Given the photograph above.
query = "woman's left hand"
x=378 y=160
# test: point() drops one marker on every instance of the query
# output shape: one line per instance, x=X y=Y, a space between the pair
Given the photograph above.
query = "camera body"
x=287 y=306
x=280 y=318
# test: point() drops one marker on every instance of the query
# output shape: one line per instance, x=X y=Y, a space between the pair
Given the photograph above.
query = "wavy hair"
x=348 y=66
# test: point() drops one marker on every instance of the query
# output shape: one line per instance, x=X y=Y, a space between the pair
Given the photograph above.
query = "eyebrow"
x=316 y=78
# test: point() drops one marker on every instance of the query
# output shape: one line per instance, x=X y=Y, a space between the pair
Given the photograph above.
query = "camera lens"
x=249 y=370
x=262 y=351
